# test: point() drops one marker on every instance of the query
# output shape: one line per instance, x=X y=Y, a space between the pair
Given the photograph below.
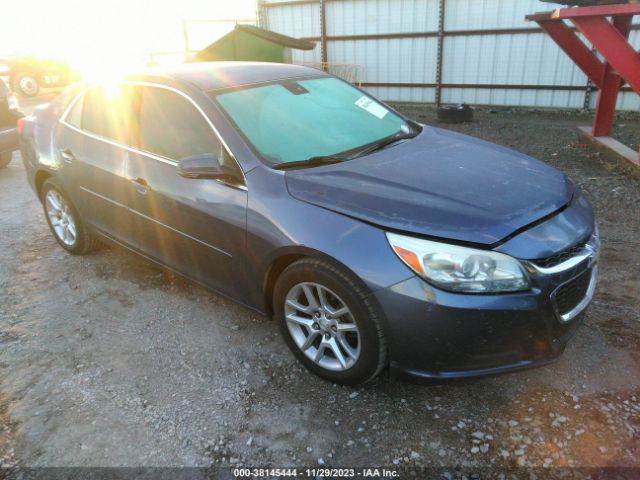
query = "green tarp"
x=250 y=43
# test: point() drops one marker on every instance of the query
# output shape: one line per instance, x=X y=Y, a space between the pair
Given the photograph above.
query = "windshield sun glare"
x=292 y=121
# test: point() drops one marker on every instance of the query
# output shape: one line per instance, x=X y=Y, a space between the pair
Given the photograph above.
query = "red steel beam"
x=597 y=11
x=575 y=48
x=611 y=83
x=613 y=46
x=610 y=39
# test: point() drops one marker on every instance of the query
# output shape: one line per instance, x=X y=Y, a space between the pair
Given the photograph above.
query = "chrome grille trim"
x=575 y=311
x=590 y=251
x=559 y=258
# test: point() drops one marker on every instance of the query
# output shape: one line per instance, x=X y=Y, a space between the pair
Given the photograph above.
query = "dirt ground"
x=105 y=360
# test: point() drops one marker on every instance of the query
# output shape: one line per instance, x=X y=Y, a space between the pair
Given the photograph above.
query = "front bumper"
x=434 y=334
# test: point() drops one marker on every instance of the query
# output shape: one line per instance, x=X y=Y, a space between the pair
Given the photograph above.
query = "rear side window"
x=170 y=126
x=109 y=112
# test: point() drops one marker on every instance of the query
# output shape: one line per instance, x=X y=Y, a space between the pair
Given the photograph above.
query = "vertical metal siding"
x=512 y=59
x=404 y=94
x=522 y=98
x=307 y=57
x=530 y=59
x=406 y=60
x=295 y=20
x=491 y=14
x=357 y=17
x=515 y=59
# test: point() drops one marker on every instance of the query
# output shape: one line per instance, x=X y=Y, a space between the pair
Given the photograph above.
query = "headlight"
x=460 y=269
x=4 y=68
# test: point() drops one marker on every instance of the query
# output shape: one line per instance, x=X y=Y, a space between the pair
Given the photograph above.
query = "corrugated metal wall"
x=476 y=50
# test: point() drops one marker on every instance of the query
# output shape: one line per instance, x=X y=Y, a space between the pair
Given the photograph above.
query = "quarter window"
x=74 y=117
x=171 y=127
x=108 y=112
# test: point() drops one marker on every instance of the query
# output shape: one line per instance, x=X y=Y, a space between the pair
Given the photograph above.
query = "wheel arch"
x=40 y=177
x=287 y=256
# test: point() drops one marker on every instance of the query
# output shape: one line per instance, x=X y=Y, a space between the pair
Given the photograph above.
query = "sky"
x=95 y=33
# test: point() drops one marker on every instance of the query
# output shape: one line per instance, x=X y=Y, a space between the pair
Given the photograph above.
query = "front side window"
x=170 y=126
x=108 y=112
x=294 y=120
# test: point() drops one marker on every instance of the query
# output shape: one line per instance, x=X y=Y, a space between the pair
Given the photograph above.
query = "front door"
x=195 y=226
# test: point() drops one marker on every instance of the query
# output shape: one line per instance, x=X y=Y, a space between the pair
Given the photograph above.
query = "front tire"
x=329 y=322
x=5 y=159
x=64 y=221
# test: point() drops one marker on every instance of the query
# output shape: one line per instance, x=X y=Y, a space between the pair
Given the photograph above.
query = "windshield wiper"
x=380 y=144
x=329 y=159
x=311 y=162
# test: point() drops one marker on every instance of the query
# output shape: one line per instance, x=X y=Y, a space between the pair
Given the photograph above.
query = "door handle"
x=141 y=185
x=67 y=155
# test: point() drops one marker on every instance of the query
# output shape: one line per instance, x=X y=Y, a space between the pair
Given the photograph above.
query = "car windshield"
x=298 y=120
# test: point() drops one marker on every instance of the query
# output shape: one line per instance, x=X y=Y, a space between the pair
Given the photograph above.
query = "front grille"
x=569 y=295
x=558 y=258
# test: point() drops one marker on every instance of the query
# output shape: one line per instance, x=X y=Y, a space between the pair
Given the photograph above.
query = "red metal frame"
x=607 y=28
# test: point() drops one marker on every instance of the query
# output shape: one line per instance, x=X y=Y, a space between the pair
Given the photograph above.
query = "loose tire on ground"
x=372 y=357
x=455 y=114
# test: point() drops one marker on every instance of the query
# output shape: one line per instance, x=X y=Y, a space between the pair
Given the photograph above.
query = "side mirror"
x=201 y=166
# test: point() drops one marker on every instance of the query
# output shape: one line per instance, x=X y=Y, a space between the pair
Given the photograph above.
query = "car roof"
x=209 y=76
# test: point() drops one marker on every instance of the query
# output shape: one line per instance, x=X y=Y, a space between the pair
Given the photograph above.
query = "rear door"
x=92 y=149
x=195 y=226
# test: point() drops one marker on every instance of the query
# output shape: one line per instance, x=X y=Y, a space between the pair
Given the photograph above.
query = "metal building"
x=482 y=52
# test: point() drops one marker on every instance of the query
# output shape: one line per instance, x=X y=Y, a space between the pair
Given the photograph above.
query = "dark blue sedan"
x=372 y=240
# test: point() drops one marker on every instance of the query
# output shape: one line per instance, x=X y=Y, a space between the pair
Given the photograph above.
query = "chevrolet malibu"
x=372 y=240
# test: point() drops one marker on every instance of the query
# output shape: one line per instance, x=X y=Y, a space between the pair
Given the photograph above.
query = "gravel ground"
x=105 y=360
x=627 y=132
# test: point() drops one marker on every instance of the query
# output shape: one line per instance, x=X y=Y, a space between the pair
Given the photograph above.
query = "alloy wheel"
x=61 y=218
x=322 y=326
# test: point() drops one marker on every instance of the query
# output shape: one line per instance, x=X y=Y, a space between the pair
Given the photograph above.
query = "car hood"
x=439 y=184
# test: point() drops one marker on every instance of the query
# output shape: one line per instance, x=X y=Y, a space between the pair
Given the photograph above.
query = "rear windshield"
x=296 y=120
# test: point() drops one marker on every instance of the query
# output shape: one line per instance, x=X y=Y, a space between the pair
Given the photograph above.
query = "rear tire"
x=64 y=220
x=352 y=343
x=5 y=159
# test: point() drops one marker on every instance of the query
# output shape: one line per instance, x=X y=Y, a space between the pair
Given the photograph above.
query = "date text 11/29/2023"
x=372 y=472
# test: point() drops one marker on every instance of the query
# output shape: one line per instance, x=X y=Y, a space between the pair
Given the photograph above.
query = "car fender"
x=280 y=226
